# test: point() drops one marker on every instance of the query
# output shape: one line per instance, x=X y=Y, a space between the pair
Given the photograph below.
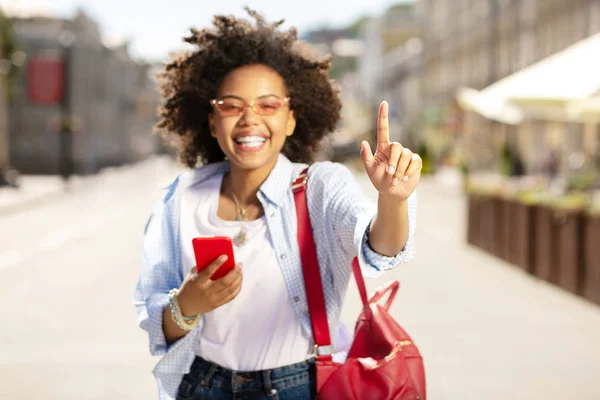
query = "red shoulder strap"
x=312 y=275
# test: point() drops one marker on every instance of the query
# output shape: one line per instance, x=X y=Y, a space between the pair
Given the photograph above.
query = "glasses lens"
x=268 y=106
x=230 y=106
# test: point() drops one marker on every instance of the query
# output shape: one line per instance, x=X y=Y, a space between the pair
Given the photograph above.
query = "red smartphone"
x=208 y=249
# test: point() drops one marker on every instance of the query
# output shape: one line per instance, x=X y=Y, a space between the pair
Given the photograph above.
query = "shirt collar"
x=273 y=188
x=279 y=180
x=198 y=175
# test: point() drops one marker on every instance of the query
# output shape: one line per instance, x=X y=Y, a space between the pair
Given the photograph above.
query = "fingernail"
x=391 y=169
x=405 y=178
x=223 y=258
x=395 y=181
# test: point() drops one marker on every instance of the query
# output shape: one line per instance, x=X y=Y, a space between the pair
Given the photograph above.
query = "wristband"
x=183 y=322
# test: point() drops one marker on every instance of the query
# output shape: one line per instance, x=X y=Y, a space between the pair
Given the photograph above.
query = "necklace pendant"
x=240 y=239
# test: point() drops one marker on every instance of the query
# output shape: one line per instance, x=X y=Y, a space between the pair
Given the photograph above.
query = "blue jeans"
x=210 y=381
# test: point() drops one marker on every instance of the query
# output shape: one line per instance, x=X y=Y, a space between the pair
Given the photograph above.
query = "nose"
x=249 y=116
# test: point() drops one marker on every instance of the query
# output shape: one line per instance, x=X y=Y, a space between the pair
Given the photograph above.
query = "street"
x=68 y=269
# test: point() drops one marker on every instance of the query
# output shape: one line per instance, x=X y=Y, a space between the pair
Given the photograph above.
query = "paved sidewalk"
x=36 y=190
x=33 y=190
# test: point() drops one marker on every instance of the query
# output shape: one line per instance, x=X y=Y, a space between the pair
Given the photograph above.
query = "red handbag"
x=383 y=362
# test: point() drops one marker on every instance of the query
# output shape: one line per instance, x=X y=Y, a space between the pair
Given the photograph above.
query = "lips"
x=250 y=141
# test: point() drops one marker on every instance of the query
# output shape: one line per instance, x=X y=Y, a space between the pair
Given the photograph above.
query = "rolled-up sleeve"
x=158 y=275
x=379 y=262
x=347 y=213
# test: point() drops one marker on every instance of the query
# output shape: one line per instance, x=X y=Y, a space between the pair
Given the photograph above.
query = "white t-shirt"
x=259 y=328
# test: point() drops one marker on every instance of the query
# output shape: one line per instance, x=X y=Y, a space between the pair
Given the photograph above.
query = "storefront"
x=559 y=94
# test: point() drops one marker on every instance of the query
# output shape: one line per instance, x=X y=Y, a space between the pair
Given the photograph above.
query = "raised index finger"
x=383 y=126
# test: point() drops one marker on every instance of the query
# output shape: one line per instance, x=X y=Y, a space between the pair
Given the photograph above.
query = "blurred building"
x=345 y=47
x=371 y=59
x=323 y=38
x=476 y=43
x=392 y=48
x=339 y=42
x=401 y=85
x=110 y=96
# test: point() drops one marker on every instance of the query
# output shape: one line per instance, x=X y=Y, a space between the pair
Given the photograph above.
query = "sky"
x=155 y=27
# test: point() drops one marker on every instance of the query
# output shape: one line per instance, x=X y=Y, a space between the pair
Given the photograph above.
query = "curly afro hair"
x=192 y=79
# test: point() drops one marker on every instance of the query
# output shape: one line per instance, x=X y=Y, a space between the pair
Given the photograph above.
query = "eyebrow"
x=232 y=96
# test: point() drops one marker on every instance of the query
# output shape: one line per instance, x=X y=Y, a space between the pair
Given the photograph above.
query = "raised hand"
x=394 y=170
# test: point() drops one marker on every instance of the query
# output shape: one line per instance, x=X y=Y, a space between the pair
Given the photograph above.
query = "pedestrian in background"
x=246 y=111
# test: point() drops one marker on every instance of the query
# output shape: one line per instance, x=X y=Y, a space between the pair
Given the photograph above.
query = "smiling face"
x=251 y=118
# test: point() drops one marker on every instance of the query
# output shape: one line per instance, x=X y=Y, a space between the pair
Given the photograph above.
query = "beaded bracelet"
x=185 y=323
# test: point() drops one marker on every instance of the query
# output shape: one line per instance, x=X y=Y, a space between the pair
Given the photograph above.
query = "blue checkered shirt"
x=340 y=217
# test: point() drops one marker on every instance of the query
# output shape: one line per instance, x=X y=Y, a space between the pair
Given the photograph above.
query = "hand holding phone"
x=199 y=293
x=208 y=249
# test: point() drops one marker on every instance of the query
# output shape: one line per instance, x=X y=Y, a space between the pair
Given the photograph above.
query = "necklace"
x=242 y=237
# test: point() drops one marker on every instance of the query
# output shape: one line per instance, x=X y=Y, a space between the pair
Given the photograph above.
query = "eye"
x=230 y=105
x=269 y=104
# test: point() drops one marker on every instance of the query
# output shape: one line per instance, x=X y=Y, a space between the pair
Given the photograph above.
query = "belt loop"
x=208 y=377
x=267 y=384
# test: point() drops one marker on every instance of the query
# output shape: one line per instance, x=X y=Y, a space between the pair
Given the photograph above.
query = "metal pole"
x=4 y=143
x=66 y=128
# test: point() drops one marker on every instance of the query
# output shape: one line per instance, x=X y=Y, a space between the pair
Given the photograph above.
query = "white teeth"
x=252 y=145
x=250 y=140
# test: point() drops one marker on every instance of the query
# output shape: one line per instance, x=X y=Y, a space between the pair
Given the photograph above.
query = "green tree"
x=354 y=28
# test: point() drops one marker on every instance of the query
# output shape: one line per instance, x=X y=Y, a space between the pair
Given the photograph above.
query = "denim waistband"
x=211 y=368
x=288 y=381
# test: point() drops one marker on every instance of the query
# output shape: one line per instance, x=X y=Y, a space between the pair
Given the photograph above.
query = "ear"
x=291 y=123
x=211 y=124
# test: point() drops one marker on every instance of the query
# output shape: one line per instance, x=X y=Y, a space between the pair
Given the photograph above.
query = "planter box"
x=474 y=220
x=493 y=225
x=489 y=225
x=558 y=251
x=480 y=226
x=544 y=249
x=569 y=248
x=509 y=226
x=499 y=218
x=591 y=258
x=523 y=238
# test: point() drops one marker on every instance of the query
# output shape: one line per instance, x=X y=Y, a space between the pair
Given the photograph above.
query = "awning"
x=491 y=108
x=556 y=88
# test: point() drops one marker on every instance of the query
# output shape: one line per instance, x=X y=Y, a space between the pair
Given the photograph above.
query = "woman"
x=251 y=105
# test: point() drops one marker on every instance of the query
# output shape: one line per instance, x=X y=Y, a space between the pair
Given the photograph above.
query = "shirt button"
x=272 y=214
x=296 y=299
x=273 y=392
x=282 y=256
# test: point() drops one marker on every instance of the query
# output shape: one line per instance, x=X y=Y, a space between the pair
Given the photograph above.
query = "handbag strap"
x=312 y=274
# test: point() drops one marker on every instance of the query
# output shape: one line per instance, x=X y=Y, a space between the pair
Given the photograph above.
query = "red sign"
x=45 y=76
